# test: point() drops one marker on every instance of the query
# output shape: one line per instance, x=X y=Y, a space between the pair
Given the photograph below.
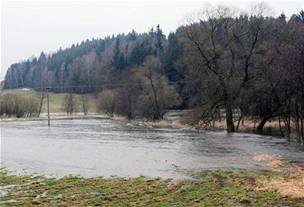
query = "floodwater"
x=108 y=148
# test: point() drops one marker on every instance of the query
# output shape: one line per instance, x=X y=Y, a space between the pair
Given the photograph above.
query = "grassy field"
x=216 y=188
x=57 y=100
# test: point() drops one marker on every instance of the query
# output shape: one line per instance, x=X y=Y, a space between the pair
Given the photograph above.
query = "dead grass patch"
x=290 y=178
x=272 y=161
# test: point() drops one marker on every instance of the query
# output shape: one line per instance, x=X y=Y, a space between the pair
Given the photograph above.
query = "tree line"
x=26 y=104
x=219 y=62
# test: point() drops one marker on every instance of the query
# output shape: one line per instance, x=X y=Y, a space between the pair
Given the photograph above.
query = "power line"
x=105 y=85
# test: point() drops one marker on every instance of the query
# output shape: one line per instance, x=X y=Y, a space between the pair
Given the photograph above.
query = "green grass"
x=57 y=100
x=214 y=188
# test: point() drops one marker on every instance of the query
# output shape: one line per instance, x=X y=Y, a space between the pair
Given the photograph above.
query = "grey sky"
x=27 y=28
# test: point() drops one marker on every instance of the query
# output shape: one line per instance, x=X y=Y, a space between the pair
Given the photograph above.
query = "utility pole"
x=48 y=105
x=47 y=95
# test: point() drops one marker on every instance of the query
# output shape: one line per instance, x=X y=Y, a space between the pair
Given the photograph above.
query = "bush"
x=19 y=105
x=106 y=102
x=69 y=104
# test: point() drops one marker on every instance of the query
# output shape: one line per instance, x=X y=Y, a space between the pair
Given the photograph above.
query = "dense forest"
x=217 y=63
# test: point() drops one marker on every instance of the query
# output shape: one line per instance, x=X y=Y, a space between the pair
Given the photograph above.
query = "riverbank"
x=56 y=116
x=208 y=188
x=281 y=186
x=271 y=128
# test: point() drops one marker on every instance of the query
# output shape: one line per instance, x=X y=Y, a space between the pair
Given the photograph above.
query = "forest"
x=220 y=63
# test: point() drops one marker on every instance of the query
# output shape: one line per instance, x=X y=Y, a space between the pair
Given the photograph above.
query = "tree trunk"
x=84 y=104
x=157 y=109
x=298 y=129
x=262 y=124
x=129 y=113
x=280 y=127
x=238 y=123
x=229 y=118
x=287 y=125
x=41 y=103
x=302 y=130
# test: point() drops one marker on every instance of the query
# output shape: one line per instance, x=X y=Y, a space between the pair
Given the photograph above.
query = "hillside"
x=92 y=64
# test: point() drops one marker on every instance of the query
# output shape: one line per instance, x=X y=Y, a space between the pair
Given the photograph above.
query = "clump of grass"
x=210 y=188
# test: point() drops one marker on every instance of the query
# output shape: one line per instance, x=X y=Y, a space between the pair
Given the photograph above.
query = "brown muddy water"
x=107 y=148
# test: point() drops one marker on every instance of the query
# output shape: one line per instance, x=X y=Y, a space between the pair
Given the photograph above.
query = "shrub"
x=106 y=102
x=18 y=105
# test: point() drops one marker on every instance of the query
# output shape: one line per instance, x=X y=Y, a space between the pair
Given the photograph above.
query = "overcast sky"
x=27 y=28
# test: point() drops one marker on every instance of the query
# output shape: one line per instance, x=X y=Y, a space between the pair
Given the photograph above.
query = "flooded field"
x=108 y=148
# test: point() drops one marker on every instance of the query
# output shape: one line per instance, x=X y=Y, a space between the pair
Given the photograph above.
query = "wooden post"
x=48 y=106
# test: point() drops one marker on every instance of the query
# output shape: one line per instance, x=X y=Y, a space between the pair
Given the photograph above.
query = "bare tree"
x=85 y=104
x=69 y=104
x=107 y=102
x=152 y=71
x=157 y=95
x=226 y=47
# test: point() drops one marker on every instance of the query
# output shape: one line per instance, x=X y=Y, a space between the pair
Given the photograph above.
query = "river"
x=109 y=148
